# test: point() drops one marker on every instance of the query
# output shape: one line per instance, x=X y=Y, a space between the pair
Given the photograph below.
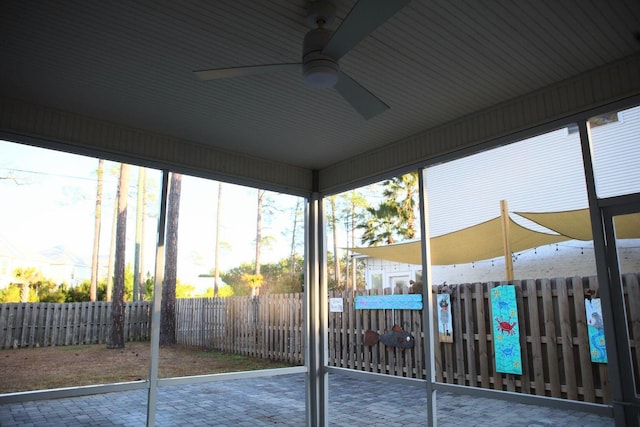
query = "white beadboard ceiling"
x=435 y=61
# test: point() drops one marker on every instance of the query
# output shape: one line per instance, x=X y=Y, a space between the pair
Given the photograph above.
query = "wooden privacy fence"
x=551 y=316
x=553 y=337
x=55 y=324
x=270 y=326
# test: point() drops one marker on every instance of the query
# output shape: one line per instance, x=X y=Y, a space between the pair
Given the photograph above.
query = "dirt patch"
x=42 y=368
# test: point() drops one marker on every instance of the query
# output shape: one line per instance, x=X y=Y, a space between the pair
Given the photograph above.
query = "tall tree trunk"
x=354 y=283
x=261 y=193
x=112 y=246
x=168 y=310
x=116 y=333
x=292 y=255
x=336 y=257
x=216 y=272
x=24 y=291
x=347 y=276
x=142 y=239
x=137 y=273
x=93 y=289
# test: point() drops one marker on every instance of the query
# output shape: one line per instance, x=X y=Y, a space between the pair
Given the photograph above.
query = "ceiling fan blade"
x=362 y=19
x=364 y=102
x=226 y=73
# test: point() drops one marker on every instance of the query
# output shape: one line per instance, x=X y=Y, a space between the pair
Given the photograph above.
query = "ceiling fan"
x=322 y=49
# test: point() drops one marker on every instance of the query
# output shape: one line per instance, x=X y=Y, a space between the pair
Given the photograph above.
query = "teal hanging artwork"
x=402 y=302
x=595 y=327
x=506 y=332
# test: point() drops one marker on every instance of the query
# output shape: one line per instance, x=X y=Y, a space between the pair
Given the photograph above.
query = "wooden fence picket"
x=481 y=323
x=550 y=337
x=535 y=339
x=523 y=322
x=566 y=338
x=24 y=327
x=469 y=336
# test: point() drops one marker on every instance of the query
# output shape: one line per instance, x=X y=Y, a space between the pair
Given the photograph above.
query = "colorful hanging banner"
x=401 y=302
x=445 y=325
x=506 y=332
x=595 y=327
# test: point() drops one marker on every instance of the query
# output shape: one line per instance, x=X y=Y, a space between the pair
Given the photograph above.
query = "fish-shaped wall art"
x=396 y=337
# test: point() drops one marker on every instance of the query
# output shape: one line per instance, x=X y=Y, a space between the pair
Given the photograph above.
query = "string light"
x=515 y=257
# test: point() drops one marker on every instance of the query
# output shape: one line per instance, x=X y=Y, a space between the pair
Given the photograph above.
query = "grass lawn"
x=42 y=368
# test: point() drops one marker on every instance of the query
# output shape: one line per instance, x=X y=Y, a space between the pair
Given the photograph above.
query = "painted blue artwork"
x=402 y=302
x=506 y=332
x=445 y=325
x=595 y=327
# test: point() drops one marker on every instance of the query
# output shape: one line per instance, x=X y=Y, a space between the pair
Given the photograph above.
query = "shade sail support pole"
x=506 y=240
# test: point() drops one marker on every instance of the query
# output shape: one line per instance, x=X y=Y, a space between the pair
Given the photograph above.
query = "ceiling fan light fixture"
x=320 y=73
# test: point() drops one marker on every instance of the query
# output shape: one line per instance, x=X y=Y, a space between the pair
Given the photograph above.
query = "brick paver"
x=279 y=401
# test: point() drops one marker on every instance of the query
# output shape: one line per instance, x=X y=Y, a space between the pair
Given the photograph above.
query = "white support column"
x=157 y=299
x=316 y=315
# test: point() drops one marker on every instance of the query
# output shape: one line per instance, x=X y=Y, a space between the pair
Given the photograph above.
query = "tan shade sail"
x=577 y=224
x=475 y=243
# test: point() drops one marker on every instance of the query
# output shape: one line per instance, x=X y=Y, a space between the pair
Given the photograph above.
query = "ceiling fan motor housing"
x=319 y=71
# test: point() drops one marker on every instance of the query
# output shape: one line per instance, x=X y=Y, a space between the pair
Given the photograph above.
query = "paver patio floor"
x=280 y=401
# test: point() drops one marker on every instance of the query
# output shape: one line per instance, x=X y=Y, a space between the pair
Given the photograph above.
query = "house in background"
x=62 y=265
x=13 y=256
x=56 y=263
